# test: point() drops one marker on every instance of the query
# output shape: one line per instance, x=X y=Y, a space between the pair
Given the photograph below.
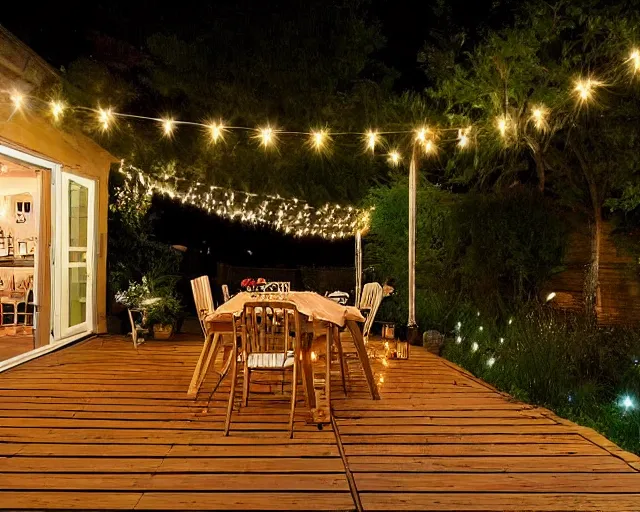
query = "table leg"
x=358 y=341
x=343 y=366
x=307 y=372
x=209 y=350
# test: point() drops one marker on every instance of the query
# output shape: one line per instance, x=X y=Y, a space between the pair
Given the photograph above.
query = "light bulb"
x=57 y=108
x=105 y=117
x=167 y=127
x=371 y=139
x=394 y=158
x=17 y=99
x=217 y=131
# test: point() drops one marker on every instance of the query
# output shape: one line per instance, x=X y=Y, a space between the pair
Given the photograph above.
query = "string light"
x=551 y=296
x=491 y=361
x=463 y=137
x=539 y=117
x=501 y=341
x=17 y=99
x=503 y=124
x=481 y=328
x=105 y=117
x=421 y=135
x=57 y=108
x=634 y=60
x=627 y=403
x=459 y=340
x=217 y=131
x=266 y=136
x=429 y=147
x=584 y=88
x=371 y=139
x=289 y=215
x=475 y=346
x=167 y=127
x=394 y=158
x=319 y=140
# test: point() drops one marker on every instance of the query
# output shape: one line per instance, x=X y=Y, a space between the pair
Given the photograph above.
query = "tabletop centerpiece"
x=250 y=284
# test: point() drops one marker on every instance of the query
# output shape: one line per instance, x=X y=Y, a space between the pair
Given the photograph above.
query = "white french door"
x=75 y=276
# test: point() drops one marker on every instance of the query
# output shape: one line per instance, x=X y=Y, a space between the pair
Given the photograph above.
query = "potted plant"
x=162 y=314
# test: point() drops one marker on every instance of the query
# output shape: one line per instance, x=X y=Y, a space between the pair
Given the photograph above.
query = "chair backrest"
x=202 y=297
x=370 y=302
x=225 y=293
x=278 y=286
x=269 y=327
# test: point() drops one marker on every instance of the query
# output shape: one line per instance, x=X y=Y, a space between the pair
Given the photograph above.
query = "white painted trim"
x=40 y=351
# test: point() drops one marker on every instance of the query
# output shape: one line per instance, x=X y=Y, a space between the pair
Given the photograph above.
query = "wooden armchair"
x=203 y=299
x=271 y=336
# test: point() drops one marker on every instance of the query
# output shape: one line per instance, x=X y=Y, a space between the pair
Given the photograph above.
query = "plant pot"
x=162 y=331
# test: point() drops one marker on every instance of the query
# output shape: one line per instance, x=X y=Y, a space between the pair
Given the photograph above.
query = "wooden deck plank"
x=102 y=426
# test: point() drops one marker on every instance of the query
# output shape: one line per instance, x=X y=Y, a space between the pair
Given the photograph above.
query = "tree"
x=552 y=97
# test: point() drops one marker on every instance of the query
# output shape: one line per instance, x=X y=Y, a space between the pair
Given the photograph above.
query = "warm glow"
x=394 y=158
x=371 y=139
x=584 y=88
x=634 y=60
x=551 y=296
x=502 y=123
x=539 y=117
x=319 y=139
x=459 y=339
x=17 y=99
x=421 y=135
x=463 y=137
x=105 y=116
x=217 y=131
x=314 y=356
x=429 y=147
x=266 y=136
x=385 y=362
x=501 y=341
x=475 y=346
x=57 y=108
x=491 y=361
x=381 y=379
x=167 y=127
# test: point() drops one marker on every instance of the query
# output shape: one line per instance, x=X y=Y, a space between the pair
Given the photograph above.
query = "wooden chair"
x=225 y=293
x=271 y=336
x=137 y=331
x=203 y=299
x=278 y=286
x=369 y=304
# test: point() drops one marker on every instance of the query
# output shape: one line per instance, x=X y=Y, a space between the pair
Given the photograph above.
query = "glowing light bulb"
x=217 y=131
x=501 y=341
x=475 y=346
x=266 y=136
x=463 y=137
x=17 y=99
x=491 y=361
x=421 y=134
x=627 y=402
x=510 y=321
x=459 y=326
x=167 y=127
x=429 y=147
x=319 y=139
x=394 y=158
x=57 y=109
x=584 y=88
x=481 y=328
x=551 y=296
x=105 y=117
x=503 y=124
x=634 y=60
x=371 y=139
x=459 y=340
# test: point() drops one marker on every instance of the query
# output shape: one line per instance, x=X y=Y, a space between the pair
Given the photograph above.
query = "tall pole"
x=412 y=327
x=358 y=267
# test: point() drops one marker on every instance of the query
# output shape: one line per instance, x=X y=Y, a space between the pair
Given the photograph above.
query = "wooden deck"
x=100 y=425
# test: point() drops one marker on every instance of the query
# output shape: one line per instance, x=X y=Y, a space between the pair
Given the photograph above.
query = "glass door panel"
x=76 y=255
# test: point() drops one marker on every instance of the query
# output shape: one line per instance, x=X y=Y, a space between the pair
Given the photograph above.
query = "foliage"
x=165 y=311
x=560 y=361
x=496 y=250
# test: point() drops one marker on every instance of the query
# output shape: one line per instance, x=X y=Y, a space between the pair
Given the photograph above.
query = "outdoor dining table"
x=317 y=310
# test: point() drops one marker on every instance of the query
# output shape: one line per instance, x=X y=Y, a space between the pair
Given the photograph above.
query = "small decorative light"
x=481 y=328
x=503 y=124
x=478 y=313
x=314 y=356
x=17 y=99
x=459 y=326
x=501 y=341
x=491 y=361
x=634 y=60
x=319 y=139
x=539 y=117
x=551 y=296
x=394 y=158
x=463 y=137
x=459 y=340
x=510 y=321
x=57 y=108
x=385 y=362
x=217 y=131
x=429 y=147
x=627 y=403
x=475 y=346
x=584 y=88
x=421 y=134
x=266 y=136
x=105 y=117
x=167 y=127
x=371 y=139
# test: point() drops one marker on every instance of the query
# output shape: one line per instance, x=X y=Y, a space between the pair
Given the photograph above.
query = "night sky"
x=63 y=31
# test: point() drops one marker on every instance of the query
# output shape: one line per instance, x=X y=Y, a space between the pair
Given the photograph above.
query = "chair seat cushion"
x=270 y=360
